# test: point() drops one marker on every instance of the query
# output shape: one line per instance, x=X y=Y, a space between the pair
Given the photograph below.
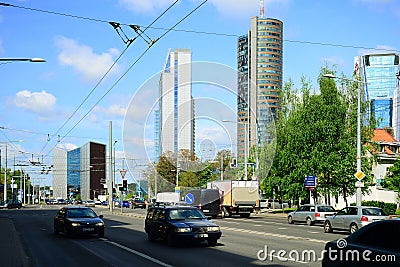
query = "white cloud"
x=113 y=110
x=38 y=102
x=83 y=60
x=145 y=6
x=67 y=146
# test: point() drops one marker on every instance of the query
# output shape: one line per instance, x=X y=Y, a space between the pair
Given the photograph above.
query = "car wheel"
x=170 y=240
x=309 y=221
x=56 y=231
x=290 y=219
x=150 y=237
x=353 y=228
x=327 y=227
x=101 y=234
x=212 y=242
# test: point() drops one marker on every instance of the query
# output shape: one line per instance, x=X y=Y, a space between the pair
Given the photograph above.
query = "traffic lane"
x=268 y=248
x=45 y=249
x=280 y=226
x=129 y=232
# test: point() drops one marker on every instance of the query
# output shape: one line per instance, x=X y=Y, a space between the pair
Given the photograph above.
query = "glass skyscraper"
x=260 y=61
x=378 y=73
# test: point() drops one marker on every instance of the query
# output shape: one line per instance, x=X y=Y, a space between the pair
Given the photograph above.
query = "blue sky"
x=37 y=99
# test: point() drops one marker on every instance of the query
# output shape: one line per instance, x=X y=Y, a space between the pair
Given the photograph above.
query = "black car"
x=138 y=203
x=375 y=244
x=180 y=224
x=78 y=220
x=14 y=204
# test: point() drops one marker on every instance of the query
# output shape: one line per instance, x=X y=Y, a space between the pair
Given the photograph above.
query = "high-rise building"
x=260 y=61
x=175 y=117
x=79 y=171
x=381 y=88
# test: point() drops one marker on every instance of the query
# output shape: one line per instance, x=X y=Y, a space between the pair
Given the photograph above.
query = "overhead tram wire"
x=133 y=64
x=194 y=31
x=107 y=72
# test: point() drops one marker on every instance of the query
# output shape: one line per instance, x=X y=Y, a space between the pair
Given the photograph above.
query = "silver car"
x=353 y=217
x=311 y=214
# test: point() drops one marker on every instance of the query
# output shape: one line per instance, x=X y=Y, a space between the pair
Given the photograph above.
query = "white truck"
x=240 y=197
x=168 y=197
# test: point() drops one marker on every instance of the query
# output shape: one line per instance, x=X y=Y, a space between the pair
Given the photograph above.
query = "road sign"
x=122 y=172
x=359 y=175
x=310 y=181
x=359 y=184
x=189 y=198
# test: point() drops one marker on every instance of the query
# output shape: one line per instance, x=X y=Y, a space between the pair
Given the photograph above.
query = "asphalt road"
x=245 y=242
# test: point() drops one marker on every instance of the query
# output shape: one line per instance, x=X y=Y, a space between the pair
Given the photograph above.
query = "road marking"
x=137 y=253
x=282 y=228
x=274 y=235
x=313 y=232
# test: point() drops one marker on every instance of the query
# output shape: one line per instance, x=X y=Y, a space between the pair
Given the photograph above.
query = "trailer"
x=168 y=197
x=239 y=197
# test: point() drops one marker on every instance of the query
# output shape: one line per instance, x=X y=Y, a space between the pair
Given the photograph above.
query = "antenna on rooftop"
x=261 y=8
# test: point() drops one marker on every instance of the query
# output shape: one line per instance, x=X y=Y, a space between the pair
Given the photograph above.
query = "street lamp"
x=5 y=170
x=331 y=76
x=35 y=59
x=245 y=144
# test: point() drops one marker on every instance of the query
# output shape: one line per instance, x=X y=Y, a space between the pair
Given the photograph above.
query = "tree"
x=392 y=179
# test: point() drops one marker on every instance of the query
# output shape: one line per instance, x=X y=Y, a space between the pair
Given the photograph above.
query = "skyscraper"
x=260 y=61
x=175 y=117
x=381 y=88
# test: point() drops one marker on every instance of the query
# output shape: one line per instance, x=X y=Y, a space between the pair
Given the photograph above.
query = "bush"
x=389 y=208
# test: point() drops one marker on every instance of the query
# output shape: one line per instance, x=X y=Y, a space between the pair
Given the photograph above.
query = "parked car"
x=14 y=204
x=138 y=203
x=125 y=203
x=89 y=203
x=61 y=201
x=376 y=244
x=178 y=224
x=78 y=220
x=354 y=217
x=310 y=214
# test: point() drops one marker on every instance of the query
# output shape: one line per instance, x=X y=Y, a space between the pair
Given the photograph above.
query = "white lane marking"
x=137 y=253
x=274 y=235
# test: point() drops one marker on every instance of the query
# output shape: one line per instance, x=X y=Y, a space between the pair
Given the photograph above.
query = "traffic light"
x=233 y=163
x=124 y=185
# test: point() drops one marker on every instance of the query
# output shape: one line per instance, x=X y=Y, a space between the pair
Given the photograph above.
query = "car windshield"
x=182 y=214
x=373 y=212
x=80 y=213
x=326 y=209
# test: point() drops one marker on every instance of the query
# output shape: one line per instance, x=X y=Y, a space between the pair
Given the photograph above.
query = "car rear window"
x=326 y=209
x=373 y=212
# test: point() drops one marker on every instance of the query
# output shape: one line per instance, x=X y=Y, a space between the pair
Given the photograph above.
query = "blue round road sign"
x=189 y=198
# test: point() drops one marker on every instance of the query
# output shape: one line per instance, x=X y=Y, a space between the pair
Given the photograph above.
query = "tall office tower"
x=60 y=173
x=260 y=61
x=381 y=88
x=176 y=105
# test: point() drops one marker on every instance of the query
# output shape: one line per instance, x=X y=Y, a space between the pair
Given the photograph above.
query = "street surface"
x=244 y=242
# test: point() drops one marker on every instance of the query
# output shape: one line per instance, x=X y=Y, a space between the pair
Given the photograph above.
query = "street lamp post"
x=5 y=170
x=331 y=76
x=245 y=144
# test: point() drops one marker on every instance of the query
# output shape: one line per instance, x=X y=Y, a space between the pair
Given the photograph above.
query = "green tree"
x=392 y=179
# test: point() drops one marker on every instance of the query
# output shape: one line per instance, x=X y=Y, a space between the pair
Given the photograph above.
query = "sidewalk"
x=11 y=250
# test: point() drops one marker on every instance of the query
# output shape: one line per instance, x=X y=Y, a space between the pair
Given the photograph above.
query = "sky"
x=71 y=98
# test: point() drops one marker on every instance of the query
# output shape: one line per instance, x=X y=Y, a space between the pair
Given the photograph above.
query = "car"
x=180 y=224
x=14 y=204
x=89 y=203
x=61 y=201
x=375 y=244
x=138 y=203
x=311 y=214
x=354 y=217
x=125 y=203
x=104 y=203
x=78 y=221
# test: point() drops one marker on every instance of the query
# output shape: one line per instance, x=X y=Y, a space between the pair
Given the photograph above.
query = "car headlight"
x=213 y=229
x=74 y=224
x=99 y=224
x=183 y=229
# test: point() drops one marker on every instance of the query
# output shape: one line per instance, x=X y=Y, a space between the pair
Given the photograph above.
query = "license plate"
x=206 y=210
x=87 y=229
x=201 y=235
